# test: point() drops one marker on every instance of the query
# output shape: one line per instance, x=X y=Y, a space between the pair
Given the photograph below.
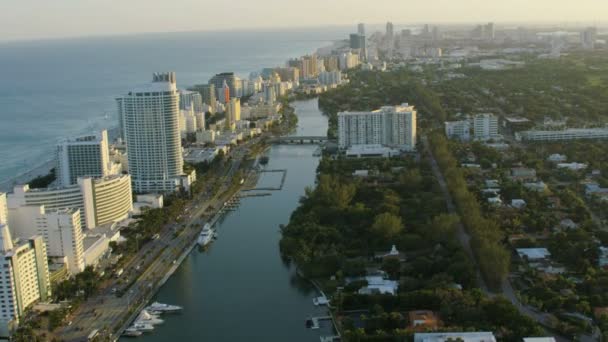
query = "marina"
x=236 y=279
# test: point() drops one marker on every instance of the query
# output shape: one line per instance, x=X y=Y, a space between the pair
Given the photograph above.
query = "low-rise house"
x=523 y=174
x=361 y=173
x=600 y=312
x=495 y=201
x=518 y=203
x=539 y=339
x=423 y=319
x=455 y=336
x=557 y=158
x=533 y=254
x=594 y=189
x=568 y=224
x=492 y=184
x=376 y=284
x=572 y=166
x=539 y=186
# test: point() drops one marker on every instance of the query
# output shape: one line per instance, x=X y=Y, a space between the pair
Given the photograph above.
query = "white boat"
x=160 y=307
x=143 y=327
x=146 y=318
x=205 y=236
x=132 y=332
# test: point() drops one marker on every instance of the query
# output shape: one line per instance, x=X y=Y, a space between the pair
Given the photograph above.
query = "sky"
x=38 y=19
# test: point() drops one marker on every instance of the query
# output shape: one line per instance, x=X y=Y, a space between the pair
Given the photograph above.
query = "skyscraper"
x=225 y=77
x=233 y=113
x=192 y=99
x=390 y=30
x=150 y=116
x=25 y=274
x=361 y=29
x=224 y=93
x=86 y=156
x=588 y=37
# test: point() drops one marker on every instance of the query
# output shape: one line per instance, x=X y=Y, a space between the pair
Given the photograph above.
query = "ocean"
x=54 y=89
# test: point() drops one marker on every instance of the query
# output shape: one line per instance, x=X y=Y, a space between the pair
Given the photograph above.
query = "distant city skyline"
x=37 y=19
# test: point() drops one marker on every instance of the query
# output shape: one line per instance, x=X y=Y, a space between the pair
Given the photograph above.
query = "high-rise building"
x=359 y=42
x=187 y=121
x=348 y=60
x=224 y=93
x=86 y=156
x=389 y=126
x=309 y=67
x=151 y=123
x=192 y=99
x=3 y=209
x=485 y=127
x=288 y=74
x=460 y=130
x=332 y=63
x=61 y=230
x=390 y=30
x=25 y=278
x=588 y=38
x=270 y=94
x=208 y=93
x=100 y=200
x=226 y=77
x=361 y=29
x=330 y=77
x=233 y=113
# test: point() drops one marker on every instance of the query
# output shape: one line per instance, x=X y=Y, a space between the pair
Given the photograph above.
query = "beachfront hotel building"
x=100 y=200
x=388 y=126
x=60 y=229
x=233 y=113
x=24 y=278
x=85 y=156
x=150 y=120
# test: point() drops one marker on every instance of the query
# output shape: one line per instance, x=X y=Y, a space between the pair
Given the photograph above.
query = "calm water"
x=240 y=290
x=59 y=88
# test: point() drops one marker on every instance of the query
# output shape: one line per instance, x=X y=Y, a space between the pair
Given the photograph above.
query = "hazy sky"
x=32 y=19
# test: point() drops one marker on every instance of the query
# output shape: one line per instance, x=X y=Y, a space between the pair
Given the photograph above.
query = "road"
x=106 y=311
x=544 y=319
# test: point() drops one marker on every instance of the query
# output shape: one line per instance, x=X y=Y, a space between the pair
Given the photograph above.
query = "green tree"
x=386 y=227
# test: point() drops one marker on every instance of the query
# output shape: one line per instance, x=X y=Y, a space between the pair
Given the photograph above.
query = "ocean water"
x=54 y=89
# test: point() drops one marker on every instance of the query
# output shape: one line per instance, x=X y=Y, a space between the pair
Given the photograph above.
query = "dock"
x=279 y=188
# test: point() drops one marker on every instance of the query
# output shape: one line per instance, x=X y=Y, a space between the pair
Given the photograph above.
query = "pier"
x=279 y=188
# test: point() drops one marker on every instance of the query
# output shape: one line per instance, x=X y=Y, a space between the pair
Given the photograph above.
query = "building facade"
x=100 y=201
x=485 y=127
x=567 y=134
x=25 y=278
x=218 y=82
x=460 y=130
x=191 y=99
x=388 y=126
x=86 y=156
x=150 y=117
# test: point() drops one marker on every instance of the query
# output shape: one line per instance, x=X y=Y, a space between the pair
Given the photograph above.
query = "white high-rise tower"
x=150 y=121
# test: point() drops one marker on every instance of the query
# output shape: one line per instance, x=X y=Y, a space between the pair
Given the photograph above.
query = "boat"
x=143 y=327
x=132 y=332
x=160 y=307
x=205 y=236
x=146 y=318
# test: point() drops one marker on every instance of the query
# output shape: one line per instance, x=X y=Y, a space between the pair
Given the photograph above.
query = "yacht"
x=143 y=327
x=206 y=235
x=132 y=332
x=146 y=318
x=160 y=307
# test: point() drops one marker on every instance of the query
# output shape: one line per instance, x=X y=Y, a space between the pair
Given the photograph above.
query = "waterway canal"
x=239 y=289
